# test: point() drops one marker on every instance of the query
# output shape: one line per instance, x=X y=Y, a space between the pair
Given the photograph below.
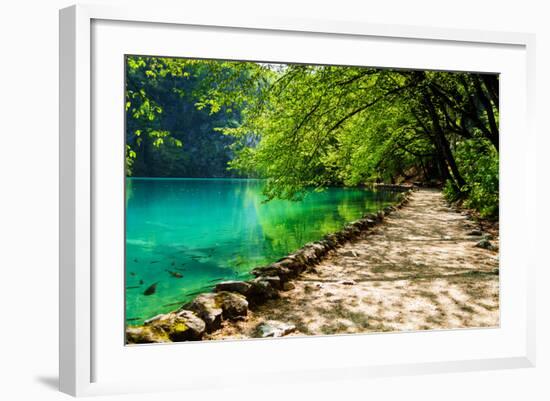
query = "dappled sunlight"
x=419 y=270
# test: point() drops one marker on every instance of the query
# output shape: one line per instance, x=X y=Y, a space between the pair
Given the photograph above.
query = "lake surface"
x=188 y=234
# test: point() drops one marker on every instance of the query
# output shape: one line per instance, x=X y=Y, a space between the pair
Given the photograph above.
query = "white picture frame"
x=80 y=343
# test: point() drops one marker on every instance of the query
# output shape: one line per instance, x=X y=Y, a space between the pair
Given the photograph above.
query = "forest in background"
x=312 y=126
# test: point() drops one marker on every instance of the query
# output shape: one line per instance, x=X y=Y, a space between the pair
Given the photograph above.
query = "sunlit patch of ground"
x=419 y=270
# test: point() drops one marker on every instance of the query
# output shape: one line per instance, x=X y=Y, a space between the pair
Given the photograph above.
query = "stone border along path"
x=418 y=265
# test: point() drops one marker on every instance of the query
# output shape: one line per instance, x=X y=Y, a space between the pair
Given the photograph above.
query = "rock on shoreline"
x=215 y=307
x=273 y=328
x=231 y=299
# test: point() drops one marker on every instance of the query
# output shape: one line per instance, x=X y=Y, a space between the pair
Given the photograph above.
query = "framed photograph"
x=276 y=199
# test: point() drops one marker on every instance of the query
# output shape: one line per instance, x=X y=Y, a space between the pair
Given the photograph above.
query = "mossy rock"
x=145 y=335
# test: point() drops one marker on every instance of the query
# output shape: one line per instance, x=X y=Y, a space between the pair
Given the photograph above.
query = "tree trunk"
x=441 y=142
x=488 y=106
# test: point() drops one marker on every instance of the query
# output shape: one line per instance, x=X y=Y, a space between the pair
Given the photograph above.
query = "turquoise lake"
x=188 y=234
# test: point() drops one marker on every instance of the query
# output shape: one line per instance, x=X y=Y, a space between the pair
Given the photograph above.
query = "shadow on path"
x=418 y=270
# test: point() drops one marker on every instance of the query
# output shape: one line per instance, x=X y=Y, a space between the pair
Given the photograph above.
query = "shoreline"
x=397 y=188
x=231 y=300
x=421 y=264
x=427 y=266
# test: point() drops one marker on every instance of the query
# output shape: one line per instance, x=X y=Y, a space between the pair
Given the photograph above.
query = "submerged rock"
x=273 y=328
x=476 y=233
x=151 y=289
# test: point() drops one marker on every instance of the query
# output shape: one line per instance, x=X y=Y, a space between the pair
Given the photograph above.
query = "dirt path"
x=418 y=270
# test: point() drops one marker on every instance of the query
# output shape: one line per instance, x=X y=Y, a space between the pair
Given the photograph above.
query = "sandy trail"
x=418 y=270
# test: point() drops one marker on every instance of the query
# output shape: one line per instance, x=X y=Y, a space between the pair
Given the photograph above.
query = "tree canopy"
x=175 y=109
x=304 y=127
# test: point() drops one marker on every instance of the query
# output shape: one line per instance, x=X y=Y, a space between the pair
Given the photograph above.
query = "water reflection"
x=212 y=230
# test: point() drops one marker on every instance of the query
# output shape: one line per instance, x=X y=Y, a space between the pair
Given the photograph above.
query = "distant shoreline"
x=193 y=179
x=373 y=186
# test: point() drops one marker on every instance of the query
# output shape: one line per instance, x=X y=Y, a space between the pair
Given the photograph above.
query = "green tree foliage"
x=478 y=161
x=174 y=110
x=332 y=125
x=306 y=126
